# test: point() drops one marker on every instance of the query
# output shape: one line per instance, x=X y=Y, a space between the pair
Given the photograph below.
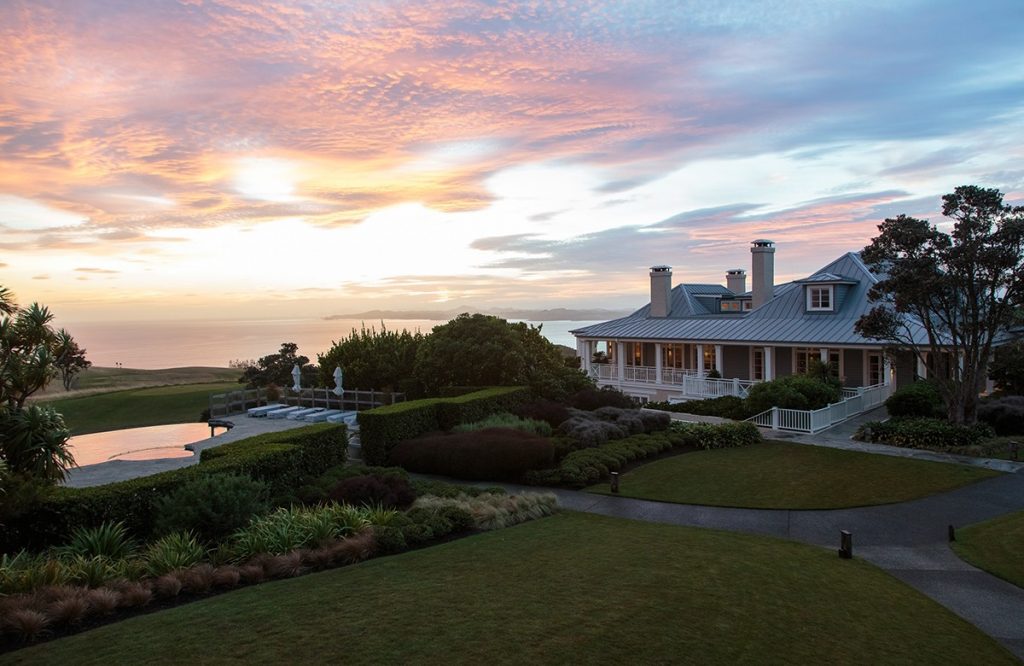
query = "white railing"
x=702 y=387
x=641 y=374
x=814 y=421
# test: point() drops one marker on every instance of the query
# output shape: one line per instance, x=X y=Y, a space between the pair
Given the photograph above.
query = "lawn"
x=98 y=379
x=995 y=546
x=574 y=588
x=780 y=475
x=136 y=408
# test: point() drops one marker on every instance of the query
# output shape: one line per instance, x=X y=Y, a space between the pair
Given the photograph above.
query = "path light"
x=615 y=482
x=845 y=545
x=952 y=533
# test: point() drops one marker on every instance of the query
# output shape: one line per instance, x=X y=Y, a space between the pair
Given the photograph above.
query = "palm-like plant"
x=34 y=441
x=108 y=540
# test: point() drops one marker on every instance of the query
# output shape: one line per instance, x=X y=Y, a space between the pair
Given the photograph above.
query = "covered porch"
x=684 y=370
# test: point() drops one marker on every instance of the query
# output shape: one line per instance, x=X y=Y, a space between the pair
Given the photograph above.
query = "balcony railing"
x=690 y=381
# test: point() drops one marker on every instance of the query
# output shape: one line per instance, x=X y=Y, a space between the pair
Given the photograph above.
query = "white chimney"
x=763 y=271
x=661 y=290
x=736 y=281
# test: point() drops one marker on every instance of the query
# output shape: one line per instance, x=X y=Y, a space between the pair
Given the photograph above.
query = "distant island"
x=553 y=314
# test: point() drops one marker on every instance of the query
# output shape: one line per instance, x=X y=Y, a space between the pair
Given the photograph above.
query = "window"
x=802 y=359
x=709 y=358
x=748 y=305
x=730 y=306
x=875 y=369
x=819 y=298
x=757 y=364
x=673 y=356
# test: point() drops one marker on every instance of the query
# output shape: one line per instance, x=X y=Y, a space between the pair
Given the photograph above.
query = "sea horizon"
x=159 y=344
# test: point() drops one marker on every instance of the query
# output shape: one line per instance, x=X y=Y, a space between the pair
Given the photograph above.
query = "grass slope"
x=569 y=589
x=995 y=546
x=136 y=408
x=779 y=475
x=98 y=380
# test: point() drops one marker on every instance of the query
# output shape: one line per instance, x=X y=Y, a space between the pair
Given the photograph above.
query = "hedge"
x=278 y=459
x=926 y=433
x=490 y=453
x=381 y=429
x=587 y=466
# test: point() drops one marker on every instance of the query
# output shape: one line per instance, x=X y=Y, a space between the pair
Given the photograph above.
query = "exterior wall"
x=906 y=368
x=853 y=368
x=736 y=361
x=783 y=357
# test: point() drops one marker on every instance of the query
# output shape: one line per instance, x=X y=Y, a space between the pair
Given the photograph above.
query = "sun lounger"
x=295 y=416
x=320 y=417
x=340 y=418
x=281 y=413
x=263 y=411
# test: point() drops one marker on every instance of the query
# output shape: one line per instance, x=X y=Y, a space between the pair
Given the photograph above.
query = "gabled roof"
x=784 y=320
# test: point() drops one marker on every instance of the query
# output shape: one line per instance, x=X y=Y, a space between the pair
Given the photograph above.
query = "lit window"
x=748 y=305
x=757 y=365
x=730 y=306
x=819 y=298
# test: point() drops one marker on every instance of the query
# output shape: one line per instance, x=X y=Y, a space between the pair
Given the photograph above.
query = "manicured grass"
x=569 y=589
x=99 y=379
x=780 y=475
x=995 y=546
x=138 y=407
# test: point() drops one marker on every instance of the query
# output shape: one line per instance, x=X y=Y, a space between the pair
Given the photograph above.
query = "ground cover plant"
x=567 y=589
x=995 y=546
x=780 y=475
x=491 y=453
x=137 y=408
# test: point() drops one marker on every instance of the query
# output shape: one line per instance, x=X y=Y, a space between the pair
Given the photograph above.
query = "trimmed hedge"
x=491 y=453
x=381 y=429
x=726 y=407
x=277 y=459
x=932 y=434
x=917 y=400
x=587 y=466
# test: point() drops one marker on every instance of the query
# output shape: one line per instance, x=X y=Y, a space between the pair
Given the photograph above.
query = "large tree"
x=277 y=368
x=70 y=358
x=369 y=359
x=951 y=295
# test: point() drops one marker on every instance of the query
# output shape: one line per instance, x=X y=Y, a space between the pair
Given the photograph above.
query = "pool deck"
x=122 y=470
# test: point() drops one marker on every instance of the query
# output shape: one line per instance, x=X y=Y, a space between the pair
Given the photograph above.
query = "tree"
x=70 y=358
x=277 y=368
x=951 y=295
x=369 y=359
x=1007 y=369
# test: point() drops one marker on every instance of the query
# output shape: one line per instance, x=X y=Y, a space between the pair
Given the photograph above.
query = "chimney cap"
x=736 y=271
x=763 y=242
x=660 y=268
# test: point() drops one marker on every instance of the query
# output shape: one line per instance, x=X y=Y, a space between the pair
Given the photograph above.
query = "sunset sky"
x=198 y=158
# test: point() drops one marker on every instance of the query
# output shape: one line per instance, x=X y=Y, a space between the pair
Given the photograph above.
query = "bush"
x=506 y=420
x=388 y=491
x=792 y=392
x=727 y=407
x=551 y=412
x=494 y=453
x=934 y=434
x=212 y=506
x=917 y=400
x=490 y=512
x=1005 y=415
x=277 y=459
x=383 y=428
x=109 y=540
x=590 y=399
x=179 y=550
x=608 y=423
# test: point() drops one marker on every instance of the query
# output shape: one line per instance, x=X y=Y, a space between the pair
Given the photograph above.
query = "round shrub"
x=1005 y=415
x=387 y=491
x=492 y=453
x=792 y=392
x=211 y=506
x=917 y=400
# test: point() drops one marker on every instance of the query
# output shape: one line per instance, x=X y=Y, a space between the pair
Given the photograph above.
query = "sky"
x=224 y=159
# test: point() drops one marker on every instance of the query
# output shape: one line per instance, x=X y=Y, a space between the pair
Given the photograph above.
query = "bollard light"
x=845 y=545
x=615 y=482
x=952 y=533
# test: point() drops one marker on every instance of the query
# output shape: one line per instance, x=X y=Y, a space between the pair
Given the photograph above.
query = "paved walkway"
x=121 y=470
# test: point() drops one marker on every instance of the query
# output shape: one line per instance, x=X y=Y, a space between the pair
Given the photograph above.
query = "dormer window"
x=819 y=299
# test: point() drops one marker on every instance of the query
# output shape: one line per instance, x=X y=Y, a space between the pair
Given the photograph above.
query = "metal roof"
x=784 y=320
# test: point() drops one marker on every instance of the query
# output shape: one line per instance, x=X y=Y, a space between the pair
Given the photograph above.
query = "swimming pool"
x=150 y=443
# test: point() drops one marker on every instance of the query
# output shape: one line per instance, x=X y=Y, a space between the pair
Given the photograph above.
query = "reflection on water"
x=165 y=441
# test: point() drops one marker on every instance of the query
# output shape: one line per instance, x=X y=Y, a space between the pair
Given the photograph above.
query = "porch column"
x=657 y=362
x=620 y=359
x=769 y=364
x=581 y=353
x=700 y=360
x=922 y=368
x=719 y=361
x=886 y=370
x=588 y=355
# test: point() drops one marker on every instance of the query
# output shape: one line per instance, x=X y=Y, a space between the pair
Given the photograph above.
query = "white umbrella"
x=338 y=390
x=297 y=376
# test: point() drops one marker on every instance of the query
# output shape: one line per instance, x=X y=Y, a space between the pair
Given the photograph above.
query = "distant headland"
x=553 y=314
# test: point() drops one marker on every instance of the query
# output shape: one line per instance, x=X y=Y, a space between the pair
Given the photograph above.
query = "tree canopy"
x=950 y=293
x=369 y=359
x=277 y=368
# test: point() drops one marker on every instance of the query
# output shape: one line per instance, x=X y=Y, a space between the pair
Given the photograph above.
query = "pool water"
x=153 y=442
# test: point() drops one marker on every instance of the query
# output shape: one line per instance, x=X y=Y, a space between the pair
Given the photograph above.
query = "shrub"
x=1005 y=415
x=211 y=506
x=109 y=540
x=792 y=392
x=490 y=512
x=28 y=624
x=103 y=601
x=727 y=407
x=494 y=453
x=506 y=420
x=916 y=400
x=288 y=529
x=443 y=489
x=69 y=610
x=920 y=433
x=608 y=423
x=381 y=429
x=388 y=491
x=590 y=399
x=179 y=550
x=552 y=413
x=91 y=571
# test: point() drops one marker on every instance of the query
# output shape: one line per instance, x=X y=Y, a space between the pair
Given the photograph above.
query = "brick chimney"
x=661 y=290
x=736 y=280
x=763 y=271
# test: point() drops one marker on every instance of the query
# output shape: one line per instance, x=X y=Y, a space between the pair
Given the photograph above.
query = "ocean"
x=153 y=345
